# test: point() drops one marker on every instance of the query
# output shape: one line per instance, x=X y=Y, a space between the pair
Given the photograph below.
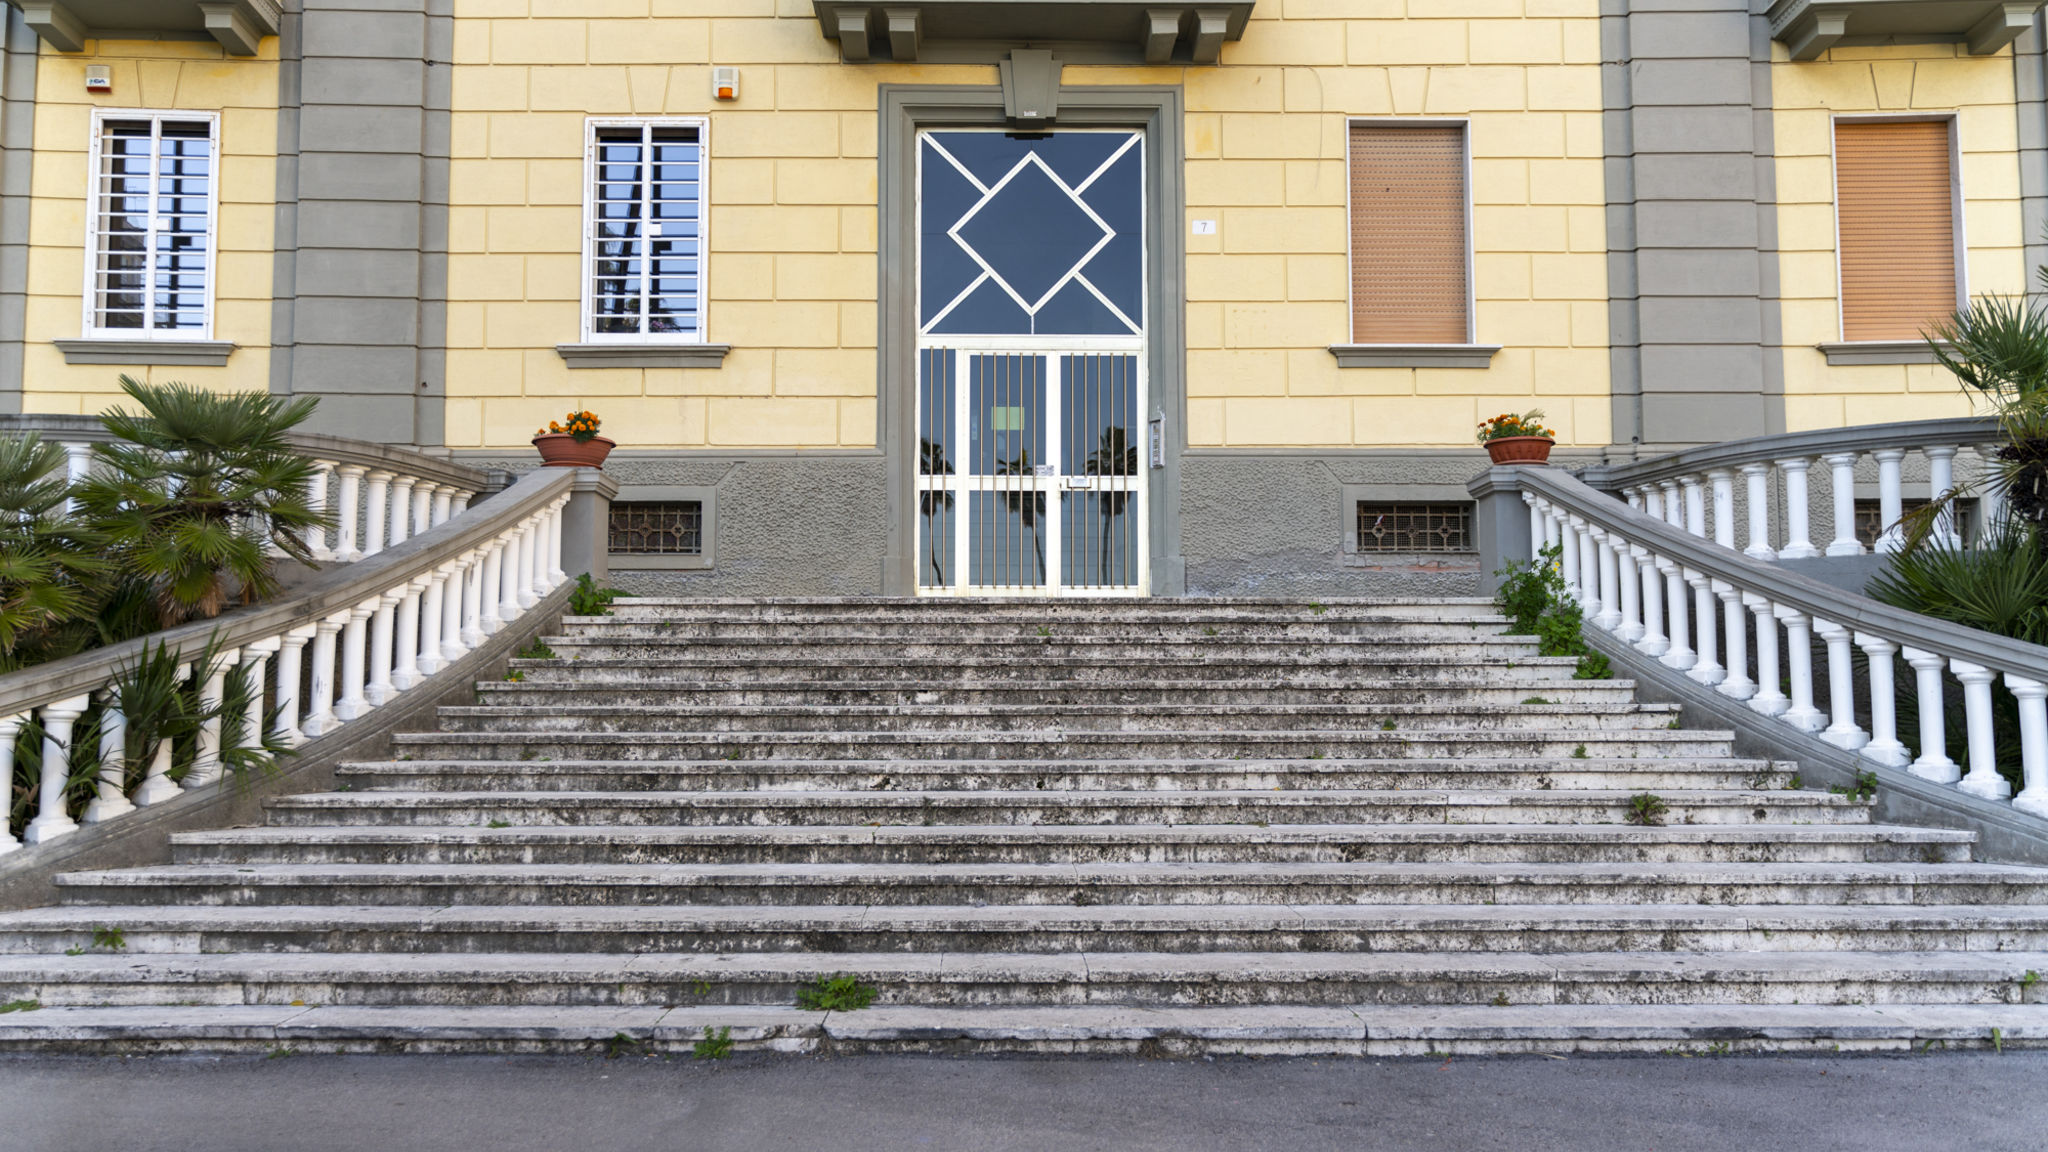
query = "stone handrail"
x=376 y=628
x=1676 y=485
x=378 y=494
x=1688 y=601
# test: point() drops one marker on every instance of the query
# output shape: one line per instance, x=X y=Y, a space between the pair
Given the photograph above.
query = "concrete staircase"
x=1165 y=826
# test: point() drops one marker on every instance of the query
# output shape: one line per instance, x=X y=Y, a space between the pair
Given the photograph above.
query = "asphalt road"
x=1952 y=1102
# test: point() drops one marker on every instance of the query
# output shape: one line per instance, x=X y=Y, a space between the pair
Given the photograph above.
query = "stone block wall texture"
x=1896 y=80
x=190 y=76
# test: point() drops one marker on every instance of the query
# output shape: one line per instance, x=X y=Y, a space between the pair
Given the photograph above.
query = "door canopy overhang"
x=1160 y=33
x=1808 y=28
x=239 y=25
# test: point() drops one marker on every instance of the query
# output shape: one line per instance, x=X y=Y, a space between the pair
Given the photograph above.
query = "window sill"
x=656 y=562
x=1414 y=355
x=643 y=355
x=170 y=353
x=1878 y=352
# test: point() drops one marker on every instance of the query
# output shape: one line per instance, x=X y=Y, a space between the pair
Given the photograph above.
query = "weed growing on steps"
x=498 y=824
x=2029 y=980
x=1579 y=753
x=587 y=599
x=538 y=650
x=714 y=1046
x=619 y=1045
x=1534 y=599
x=1317 y=607
x=1795 y=783
x=1647 y=809
x=112 y=939
x=1535 y=700
x=836 y=994
x=515 y=676
x=1387 y=725
x=280 y=1053
x=1864 y=789
x=1500 y=1000
x=20 y=1006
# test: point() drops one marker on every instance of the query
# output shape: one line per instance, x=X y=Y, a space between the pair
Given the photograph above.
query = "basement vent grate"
x=1414 y=527
x=658 y=528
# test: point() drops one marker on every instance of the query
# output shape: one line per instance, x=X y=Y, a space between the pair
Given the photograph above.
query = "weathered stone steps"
x=1192 y=627
x=1036 y=610
x=722 y=693
x=1124 y=650
x=1365 y=666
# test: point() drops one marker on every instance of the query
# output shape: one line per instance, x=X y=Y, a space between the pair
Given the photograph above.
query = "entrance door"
x=1031 y=363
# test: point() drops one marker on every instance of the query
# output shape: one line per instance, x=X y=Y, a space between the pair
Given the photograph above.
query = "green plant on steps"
x=1533 y=597
x=1647 y=808
x=835 y=994
x=538 y=650
x=1863 y=789
x=714 y=1046
x=587 y=599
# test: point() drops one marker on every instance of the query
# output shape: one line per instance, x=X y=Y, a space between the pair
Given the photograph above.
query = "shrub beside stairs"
x=1377 y=827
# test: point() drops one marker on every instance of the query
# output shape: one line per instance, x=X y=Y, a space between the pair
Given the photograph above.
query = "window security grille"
x=1870 y=518
x=1414 y=527
x=665 y=528
x=645 y=221
x=152 y=227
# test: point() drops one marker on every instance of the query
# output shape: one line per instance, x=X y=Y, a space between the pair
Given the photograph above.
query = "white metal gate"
x=1032 y=390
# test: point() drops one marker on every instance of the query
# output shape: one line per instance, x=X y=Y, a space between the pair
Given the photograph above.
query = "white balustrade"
x=346 y=514
x=401 y=509
x=376 y=505
x=1843 y=465
x=10 y=727
x=1891 y=504
x=1798 y=509
x=53 y=773
x=1757 y=478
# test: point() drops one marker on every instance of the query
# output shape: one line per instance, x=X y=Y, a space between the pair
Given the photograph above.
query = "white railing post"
x=1737 y=685
x=556 y=576
x=443 y=497
x=77 y=466
x=112 y=799
x=527 y=585
x=1884 y=746
x=1770 y=699
x=316 y=495
x=353 y=643
x=1627 y=560
x=405 y=668
x=320 y=717
x=1724 y=506
x=494 y=557
x=1568 y=556
x=460 y=503
x=1941 y=481
x=472 y=598
x=1653 y=502
x=51 y=819
x=423 y=507
x=1610 y=581
x=1930 y=704
x=289 y=666
x=1537 y=527
x=378 y=688
x=401 y=509
x=508 y=575
x=348 y=512
x=452 y=599
x=1653 y=642
x=156 y=786
x=1842 y=730
x=433 y=611
x=1891 y=505
x=1757 y=480
x=206 y=762
x=10 y=728
x=1799 y=669
x=1845 y=542
x=1674 y=507
x=256 y=657
x=2033 y=698
x=1983 y=779
x=1695 y=507
x=375 y=505
x=1706 y=667
x=1679 y=655
x=1798 y=510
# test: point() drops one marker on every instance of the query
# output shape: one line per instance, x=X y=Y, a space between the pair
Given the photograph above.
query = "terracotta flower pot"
x=1520 y=449
x=560 y=450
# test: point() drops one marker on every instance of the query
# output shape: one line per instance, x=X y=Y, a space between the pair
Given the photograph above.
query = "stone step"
x=1634 y=775
x=1077 y=885
x=1078 y=645
x=1174 y=928
x=1565 y=743
x=1004 y=717
x=1194 y=627
x=1102 y=1030
x=1108 y=809
x=595 y=689
x=985 y=608
x=1351 y=669
x=825 y=844
x=995 y=979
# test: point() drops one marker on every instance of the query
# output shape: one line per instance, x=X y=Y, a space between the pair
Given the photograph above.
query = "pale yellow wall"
x=186 y=76
x=792 y=228
x=1901 y=79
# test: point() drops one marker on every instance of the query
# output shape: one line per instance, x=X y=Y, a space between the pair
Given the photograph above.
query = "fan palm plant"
x=50 y=567
x=198 y=490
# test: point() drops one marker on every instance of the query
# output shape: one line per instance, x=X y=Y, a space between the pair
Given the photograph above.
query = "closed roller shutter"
x=1895 y=197
x=1408 y=234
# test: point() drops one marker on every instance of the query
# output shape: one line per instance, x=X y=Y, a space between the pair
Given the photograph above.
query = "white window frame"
x=587 y=270
x=1959 y=238
x=95 y=190
x=1464 y=125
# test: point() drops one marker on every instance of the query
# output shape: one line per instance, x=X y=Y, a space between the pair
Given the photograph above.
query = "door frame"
x=1155 y=110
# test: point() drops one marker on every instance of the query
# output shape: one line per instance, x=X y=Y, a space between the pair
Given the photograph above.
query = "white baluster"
x=1737 y=685
x=1695 y=507
x=1536 y=525
x=1679 y=655
x=1674 y=504
x=1983 y=779
x=443 y=497
x=508 y=574
x=1891 y=506
x=1845 y=542
x=316 y=495
x=1770 y=699
x=375 y=505
x=2033 y=698
x=433 y=612
x=1799 y=667
x=401 y=509
x=1609 y=618
x=156 y=786
x=1798 y=510
x=1553 y=530
x=289 y=666
x=1724 y=506
x=460 y=504
x=1631 y=579
x=405 y=669
x=1884 y=746
x=494 y=558
x=472 y=598
x=1757 y=479
x=77 y=466
x=1653 y=502
x=529 y=571
x=1569 y=557
x=554 y=550
x=354 y=643
x=1933 y=763
x=378 y=689
x=1941 y=481
x=348 y=508
x=1842 y=730
x=112 y=799
x=206 y=761
x=1990 y=493
x=452 y=647
x=10 y=728
x=320 y=717
x=256 y=658
x=1706 y=668
x=51 y=819
x=423 y=507
x=1653 y=642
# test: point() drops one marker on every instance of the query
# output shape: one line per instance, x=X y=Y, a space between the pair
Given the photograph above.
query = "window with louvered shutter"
x=1895 y=205
x=1409 y=234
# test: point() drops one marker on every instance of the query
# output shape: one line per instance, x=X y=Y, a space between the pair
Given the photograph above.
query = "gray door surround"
x=1157 y=111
